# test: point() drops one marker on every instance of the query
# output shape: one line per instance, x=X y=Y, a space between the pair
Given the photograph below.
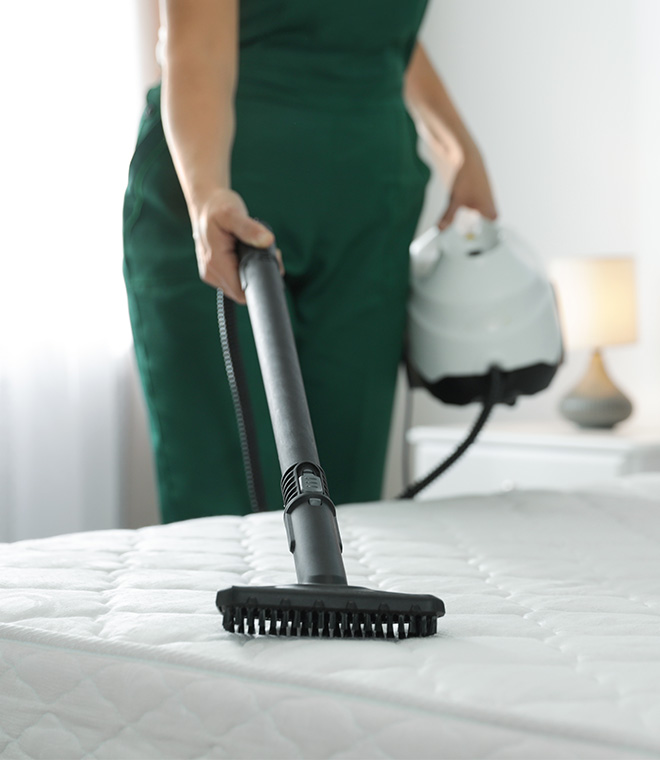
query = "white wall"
x=646 y=382
x=563 y=96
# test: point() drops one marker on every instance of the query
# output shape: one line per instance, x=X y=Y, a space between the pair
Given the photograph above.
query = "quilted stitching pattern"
x=110 y=644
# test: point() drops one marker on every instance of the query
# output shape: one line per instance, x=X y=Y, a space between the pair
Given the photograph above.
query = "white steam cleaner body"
x=483 y=323
x=480 y=299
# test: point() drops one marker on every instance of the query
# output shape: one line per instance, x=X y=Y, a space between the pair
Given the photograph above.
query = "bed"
x=111 y=645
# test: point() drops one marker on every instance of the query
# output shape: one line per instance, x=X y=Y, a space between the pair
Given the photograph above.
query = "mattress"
x=111 y=646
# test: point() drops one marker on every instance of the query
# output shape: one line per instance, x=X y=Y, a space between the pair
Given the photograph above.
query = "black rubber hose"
x=492 y=398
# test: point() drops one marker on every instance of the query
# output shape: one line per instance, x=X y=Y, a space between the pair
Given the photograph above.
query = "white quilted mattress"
x=111 y=646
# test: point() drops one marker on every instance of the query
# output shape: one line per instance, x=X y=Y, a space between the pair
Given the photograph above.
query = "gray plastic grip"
x=315 y=543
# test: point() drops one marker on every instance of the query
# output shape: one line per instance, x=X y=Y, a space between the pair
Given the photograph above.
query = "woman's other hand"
x=471 y=188
x=223 y=219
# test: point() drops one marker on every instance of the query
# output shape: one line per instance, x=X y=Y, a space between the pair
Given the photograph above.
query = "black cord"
x=494 y=391
x=241 y=399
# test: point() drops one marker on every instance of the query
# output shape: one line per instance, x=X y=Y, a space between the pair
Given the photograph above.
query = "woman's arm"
x=440 y=125
x=199 y=73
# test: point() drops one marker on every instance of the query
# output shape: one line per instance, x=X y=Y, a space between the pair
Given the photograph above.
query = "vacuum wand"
x=278 y=359
x=321 y=603
x=309 y=514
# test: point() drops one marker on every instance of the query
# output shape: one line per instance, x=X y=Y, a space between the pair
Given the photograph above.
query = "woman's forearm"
x=457 y=157
x=436 y=117
x=199 y=71
x=200 y=67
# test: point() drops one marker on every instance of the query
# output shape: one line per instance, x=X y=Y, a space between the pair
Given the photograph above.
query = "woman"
x=291 y=111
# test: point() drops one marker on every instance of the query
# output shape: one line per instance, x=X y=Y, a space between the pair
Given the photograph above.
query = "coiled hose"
x=241 y=399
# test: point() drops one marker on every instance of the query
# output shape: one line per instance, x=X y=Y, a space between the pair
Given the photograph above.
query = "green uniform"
x=325 y=153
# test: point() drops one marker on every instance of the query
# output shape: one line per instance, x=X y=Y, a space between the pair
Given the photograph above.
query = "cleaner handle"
x=278 y=359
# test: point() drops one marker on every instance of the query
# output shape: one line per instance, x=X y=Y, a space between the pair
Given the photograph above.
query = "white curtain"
x=71 y=94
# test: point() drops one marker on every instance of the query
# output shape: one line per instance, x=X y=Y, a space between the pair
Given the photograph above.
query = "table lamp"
x=597 y=307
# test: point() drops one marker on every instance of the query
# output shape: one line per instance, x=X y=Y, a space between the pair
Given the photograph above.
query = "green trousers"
x=342 y=192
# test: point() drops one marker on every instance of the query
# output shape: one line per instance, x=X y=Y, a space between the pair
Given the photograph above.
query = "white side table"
x=545 y=455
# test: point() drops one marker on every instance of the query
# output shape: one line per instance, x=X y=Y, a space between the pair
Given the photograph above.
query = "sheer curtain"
x=71 y=96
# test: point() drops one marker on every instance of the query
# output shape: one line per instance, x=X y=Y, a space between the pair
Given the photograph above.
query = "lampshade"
x=596 y=300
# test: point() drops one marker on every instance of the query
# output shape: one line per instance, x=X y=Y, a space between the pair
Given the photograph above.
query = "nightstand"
x=543 y=455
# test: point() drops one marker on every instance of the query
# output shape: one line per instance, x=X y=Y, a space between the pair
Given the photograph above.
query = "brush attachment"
x=328 y=611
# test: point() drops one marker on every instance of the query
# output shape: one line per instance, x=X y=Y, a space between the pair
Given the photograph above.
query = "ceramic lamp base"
x=596 y=402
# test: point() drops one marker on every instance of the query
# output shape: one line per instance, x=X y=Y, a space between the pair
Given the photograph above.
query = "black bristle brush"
x=321 y=603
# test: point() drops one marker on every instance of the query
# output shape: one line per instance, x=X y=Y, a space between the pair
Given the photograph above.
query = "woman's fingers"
x=249 y=230
x=471 y=189
x=449 y=214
